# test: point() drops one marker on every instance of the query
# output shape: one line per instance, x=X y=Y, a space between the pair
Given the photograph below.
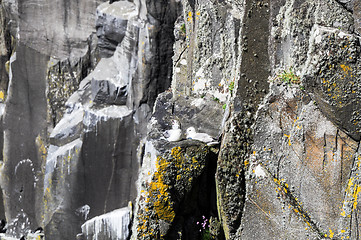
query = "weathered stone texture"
x=111 y=24
x=94 y=86
x=207 y=50
x=24 y=119
x=50 y=100
x=176 y=185
x=111 y=109
x=296 y=139
x=113 y=225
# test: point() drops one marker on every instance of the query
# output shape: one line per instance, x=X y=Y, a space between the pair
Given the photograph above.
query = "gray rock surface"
x=113 y=225
x=88 y=89
x=92 y=138
x=111 y=24
x=110 y=134
x=170 y=197
x=107 y=85
x=61 y=30
x=24 y=119
x=296 y=138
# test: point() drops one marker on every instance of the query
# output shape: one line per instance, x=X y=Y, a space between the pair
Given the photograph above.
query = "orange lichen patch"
x=174 y=168
x=159 y=190
x=331 y=233
x=190 y=14
x=289 y=139
x=2 y=95
x=157 y=200
x=176 y=154
x=246 y=163
x=354 y=189
x=282 y=188
x=345 y=68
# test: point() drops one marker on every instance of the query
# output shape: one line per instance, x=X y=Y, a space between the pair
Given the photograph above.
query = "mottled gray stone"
x=292 y=136
x=107 y=85
x=68 y=129
x=111 y=24
x=60 y=202
x=60 y=30
x=25 y=120
x=321 y=47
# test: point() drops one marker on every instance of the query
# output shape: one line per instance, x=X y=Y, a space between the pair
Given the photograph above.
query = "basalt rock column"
x=36 y=37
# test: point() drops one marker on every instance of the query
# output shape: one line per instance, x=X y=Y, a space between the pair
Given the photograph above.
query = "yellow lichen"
x=331 y=233
x=158 y=203
x=345 y=68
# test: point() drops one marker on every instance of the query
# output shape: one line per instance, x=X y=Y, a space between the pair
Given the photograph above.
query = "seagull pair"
x=175 y=134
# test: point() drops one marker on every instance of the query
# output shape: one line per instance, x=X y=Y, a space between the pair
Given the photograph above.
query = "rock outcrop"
x=89 y=90
x=71 y=132
x=113 y=225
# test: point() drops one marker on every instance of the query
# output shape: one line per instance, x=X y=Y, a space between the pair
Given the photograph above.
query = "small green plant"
x=224 y=106
x=183 y=28
x=288 y=77
x=216 y=99
x=231 y=87
x=206 y=235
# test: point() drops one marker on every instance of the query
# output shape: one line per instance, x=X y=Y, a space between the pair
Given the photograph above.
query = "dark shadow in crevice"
x=199 y=202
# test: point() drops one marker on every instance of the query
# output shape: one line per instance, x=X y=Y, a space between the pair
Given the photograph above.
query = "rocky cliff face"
x=89 y=90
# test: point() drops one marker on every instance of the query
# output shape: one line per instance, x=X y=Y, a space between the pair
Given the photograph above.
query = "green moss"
x=216 y=99
x=231 y=87
x=183 y=28
x=289 y=77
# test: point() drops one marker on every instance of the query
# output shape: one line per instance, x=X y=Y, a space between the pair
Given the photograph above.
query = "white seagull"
x=174 y=134
x=203 y=137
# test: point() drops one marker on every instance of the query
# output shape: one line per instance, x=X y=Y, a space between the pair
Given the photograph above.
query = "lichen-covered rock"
x=231 y=166
x=176 y=182
x=203 y=63
x=54 y=51
x=174 y=175
x=296 y=138
x=332 y=76
x=250 y=88
x=322 y=48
